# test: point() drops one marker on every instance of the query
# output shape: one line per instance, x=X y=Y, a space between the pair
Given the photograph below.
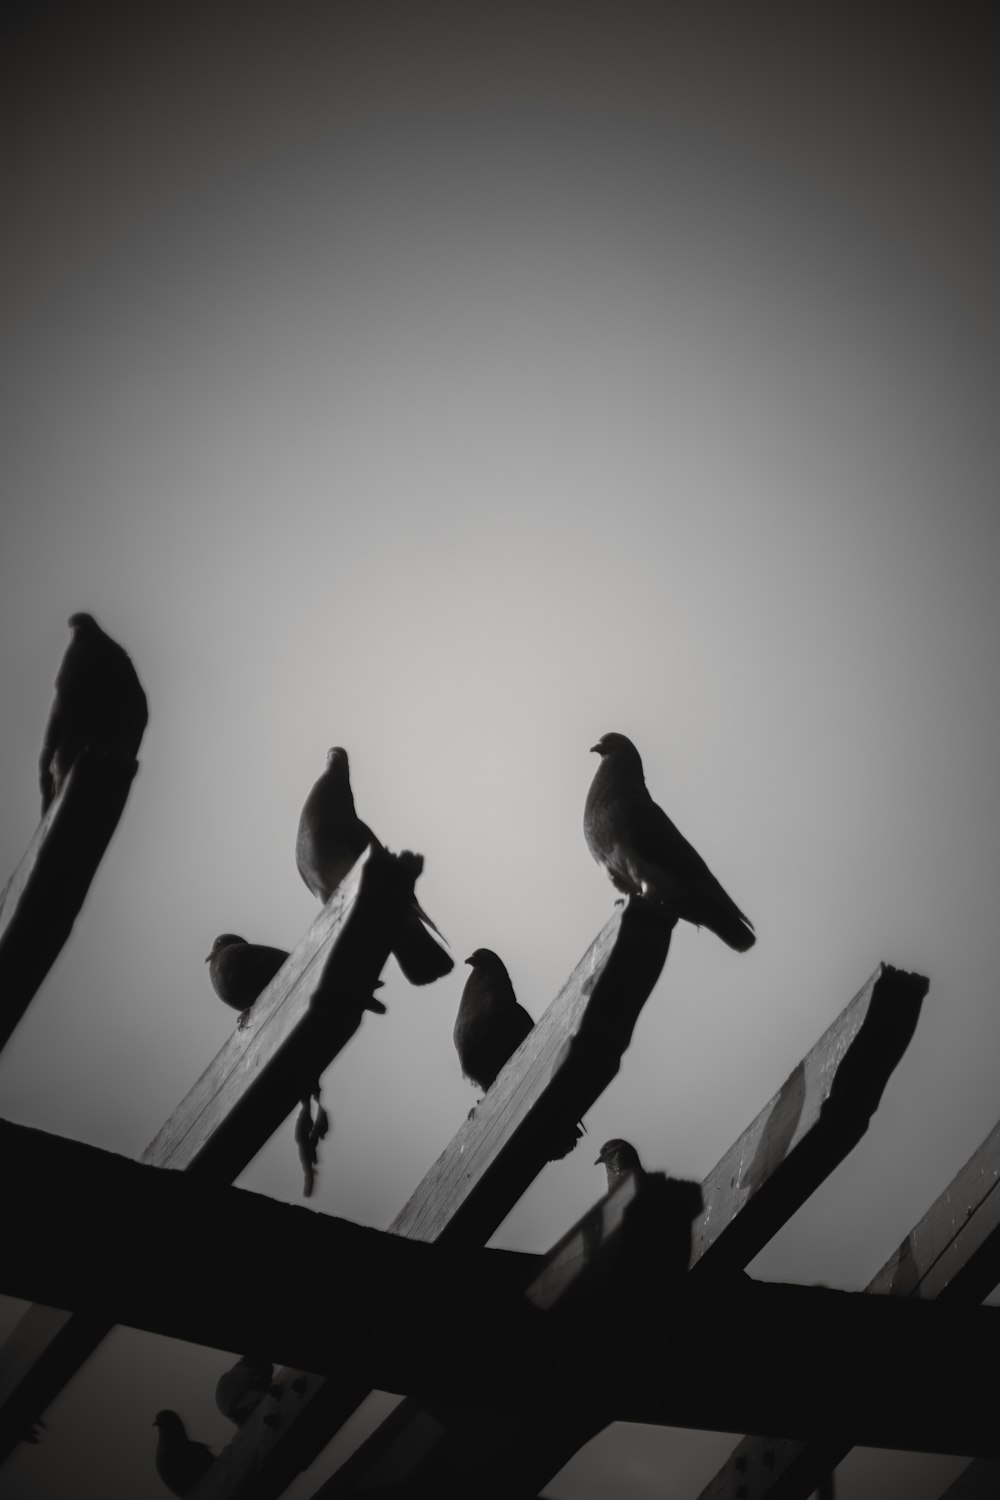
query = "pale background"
x=458 y=387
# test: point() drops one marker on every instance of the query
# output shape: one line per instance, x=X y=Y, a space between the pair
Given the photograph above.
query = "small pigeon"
x=240 y=971
x=240 y=1389
x=491 y=1025
x=620 y=1159
x=331 y=838
x=98 y=701
x=180 y=1462
x=308 y=1134
x=645 y=856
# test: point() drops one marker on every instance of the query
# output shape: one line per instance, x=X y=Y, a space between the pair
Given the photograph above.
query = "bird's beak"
x=208 y=958
x=595 y=749
x=466 y=960
x=598 y=1161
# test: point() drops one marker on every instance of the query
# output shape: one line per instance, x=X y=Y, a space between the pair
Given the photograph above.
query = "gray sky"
x=456 y=390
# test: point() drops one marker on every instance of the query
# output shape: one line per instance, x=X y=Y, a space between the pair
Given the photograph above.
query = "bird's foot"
x=244 y=1019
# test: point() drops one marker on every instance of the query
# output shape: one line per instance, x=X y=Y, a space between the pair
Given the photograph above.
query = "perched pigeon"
x=331 y=838
x=308 y=1134
x=98 y=701
x=242 y=1387
x=645 y=855
x=240 y=971
x=491 y=1025
x=619 y=1158
x=180 y=1462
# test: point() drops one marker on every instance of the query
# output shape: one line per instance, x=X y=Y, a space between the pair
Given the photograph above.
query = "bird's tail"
x=728 y=923
x=419 y=955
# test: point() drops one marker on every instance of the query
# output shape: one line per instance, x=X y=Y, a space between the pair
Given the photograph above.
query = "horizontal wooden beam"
x=952 y=1254
x=166 y=1252
x=307 y=1014
x=43 y=897
x=807 y=1128
x=555 y=1076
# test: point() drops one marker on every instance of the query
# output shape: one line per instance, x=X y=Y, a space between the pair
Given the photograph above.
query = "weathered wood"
x=560 y=1069
x=816 y=1118
x=810 y=1125
x=953 y=1254
x=306 y=1015
x=598 y=1273
x=168 y=1253
x=43 y=896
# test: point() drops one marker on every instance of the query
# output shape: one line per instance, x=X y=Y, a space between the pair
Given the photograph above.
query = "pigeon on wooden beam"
x=645 y=856
x=620 y=1159
x=180 y=1462
x=98 y=701
x=241 y=971
x=331 y=838
x=240 y=1389
x=491 y=1025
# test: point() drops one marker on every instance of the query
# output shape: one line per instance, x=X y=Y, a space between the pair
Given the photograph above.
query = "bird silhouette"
x=645 y=856
x=331 y=838
x=619 y=1159
x=180 y=1462
x=491 y=1025
x=98 y=701
x=240 y=971
x=240 y=1389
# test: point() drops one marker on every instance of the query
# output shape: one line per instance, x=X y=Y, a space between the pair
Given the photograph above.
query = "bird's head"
x=336 y=759
x=484 y=958
x=615 y=744
x=224 y=940
x=618 y=1156
x=168 y=1422
x=83 y=622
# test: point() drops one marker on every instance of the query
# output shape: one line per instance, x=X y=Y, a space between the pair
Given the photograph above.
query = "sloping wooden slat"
x=43 y=896
x=809 y=1126
x=306 y=1015
x=549 y=1083
x=953 y=1253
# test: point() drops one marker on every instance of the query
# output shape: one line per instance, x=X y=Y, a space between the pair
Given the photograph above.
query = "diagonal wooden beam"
x=979 y=1481
x=808 y=1127
x=311 y=1009
x=555 y=1076
x=952 y=1254
x=43 y=897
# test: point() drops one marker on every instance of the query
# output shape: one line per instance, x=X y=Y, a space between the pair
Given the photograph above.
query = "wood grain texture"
x=571 y=1055
x=45 y=893
x=307 y=1014
x=953 y=1253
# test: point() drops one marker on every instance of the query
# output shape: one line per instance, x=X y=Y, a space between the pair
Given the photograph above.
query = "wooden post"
x=43 y=897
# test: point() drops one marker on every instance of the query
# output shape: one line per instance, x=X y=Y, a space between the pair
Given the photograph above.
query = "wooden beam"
x=469 y=1439
x=809 y=1126
x=306 y=1015
x=952 y=1254
x=555 y=1076
x=979 y=1481
x=166 y=1252
x=43 y=897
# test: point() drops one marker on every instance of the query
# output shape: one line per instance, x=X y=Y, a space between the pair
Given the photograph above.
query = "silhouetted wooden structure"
x=641 y=1312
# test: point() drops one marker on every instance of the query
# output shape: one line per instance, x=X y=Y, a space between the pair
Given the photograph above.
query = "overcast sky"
x=457 y=390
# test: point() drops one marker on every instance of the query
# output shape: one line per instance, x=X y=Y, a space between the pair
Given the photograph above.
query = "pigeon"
x=240 y=1389
x=240 y=971
x=98 y=701
x=331 y=838
x=645 y=856
x=308 y=1134
x=491 y=1025
x=619 y=1159
x=180 y=1463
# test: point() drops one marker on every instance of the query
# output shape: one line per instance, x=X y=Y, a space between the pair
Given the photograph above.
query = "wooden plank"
x=465 y=1439
x=808 y=1127
x=44 y=895
x=307 y=1014
x=165 y=1252
x=953 y=1254
x=560 y=1069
